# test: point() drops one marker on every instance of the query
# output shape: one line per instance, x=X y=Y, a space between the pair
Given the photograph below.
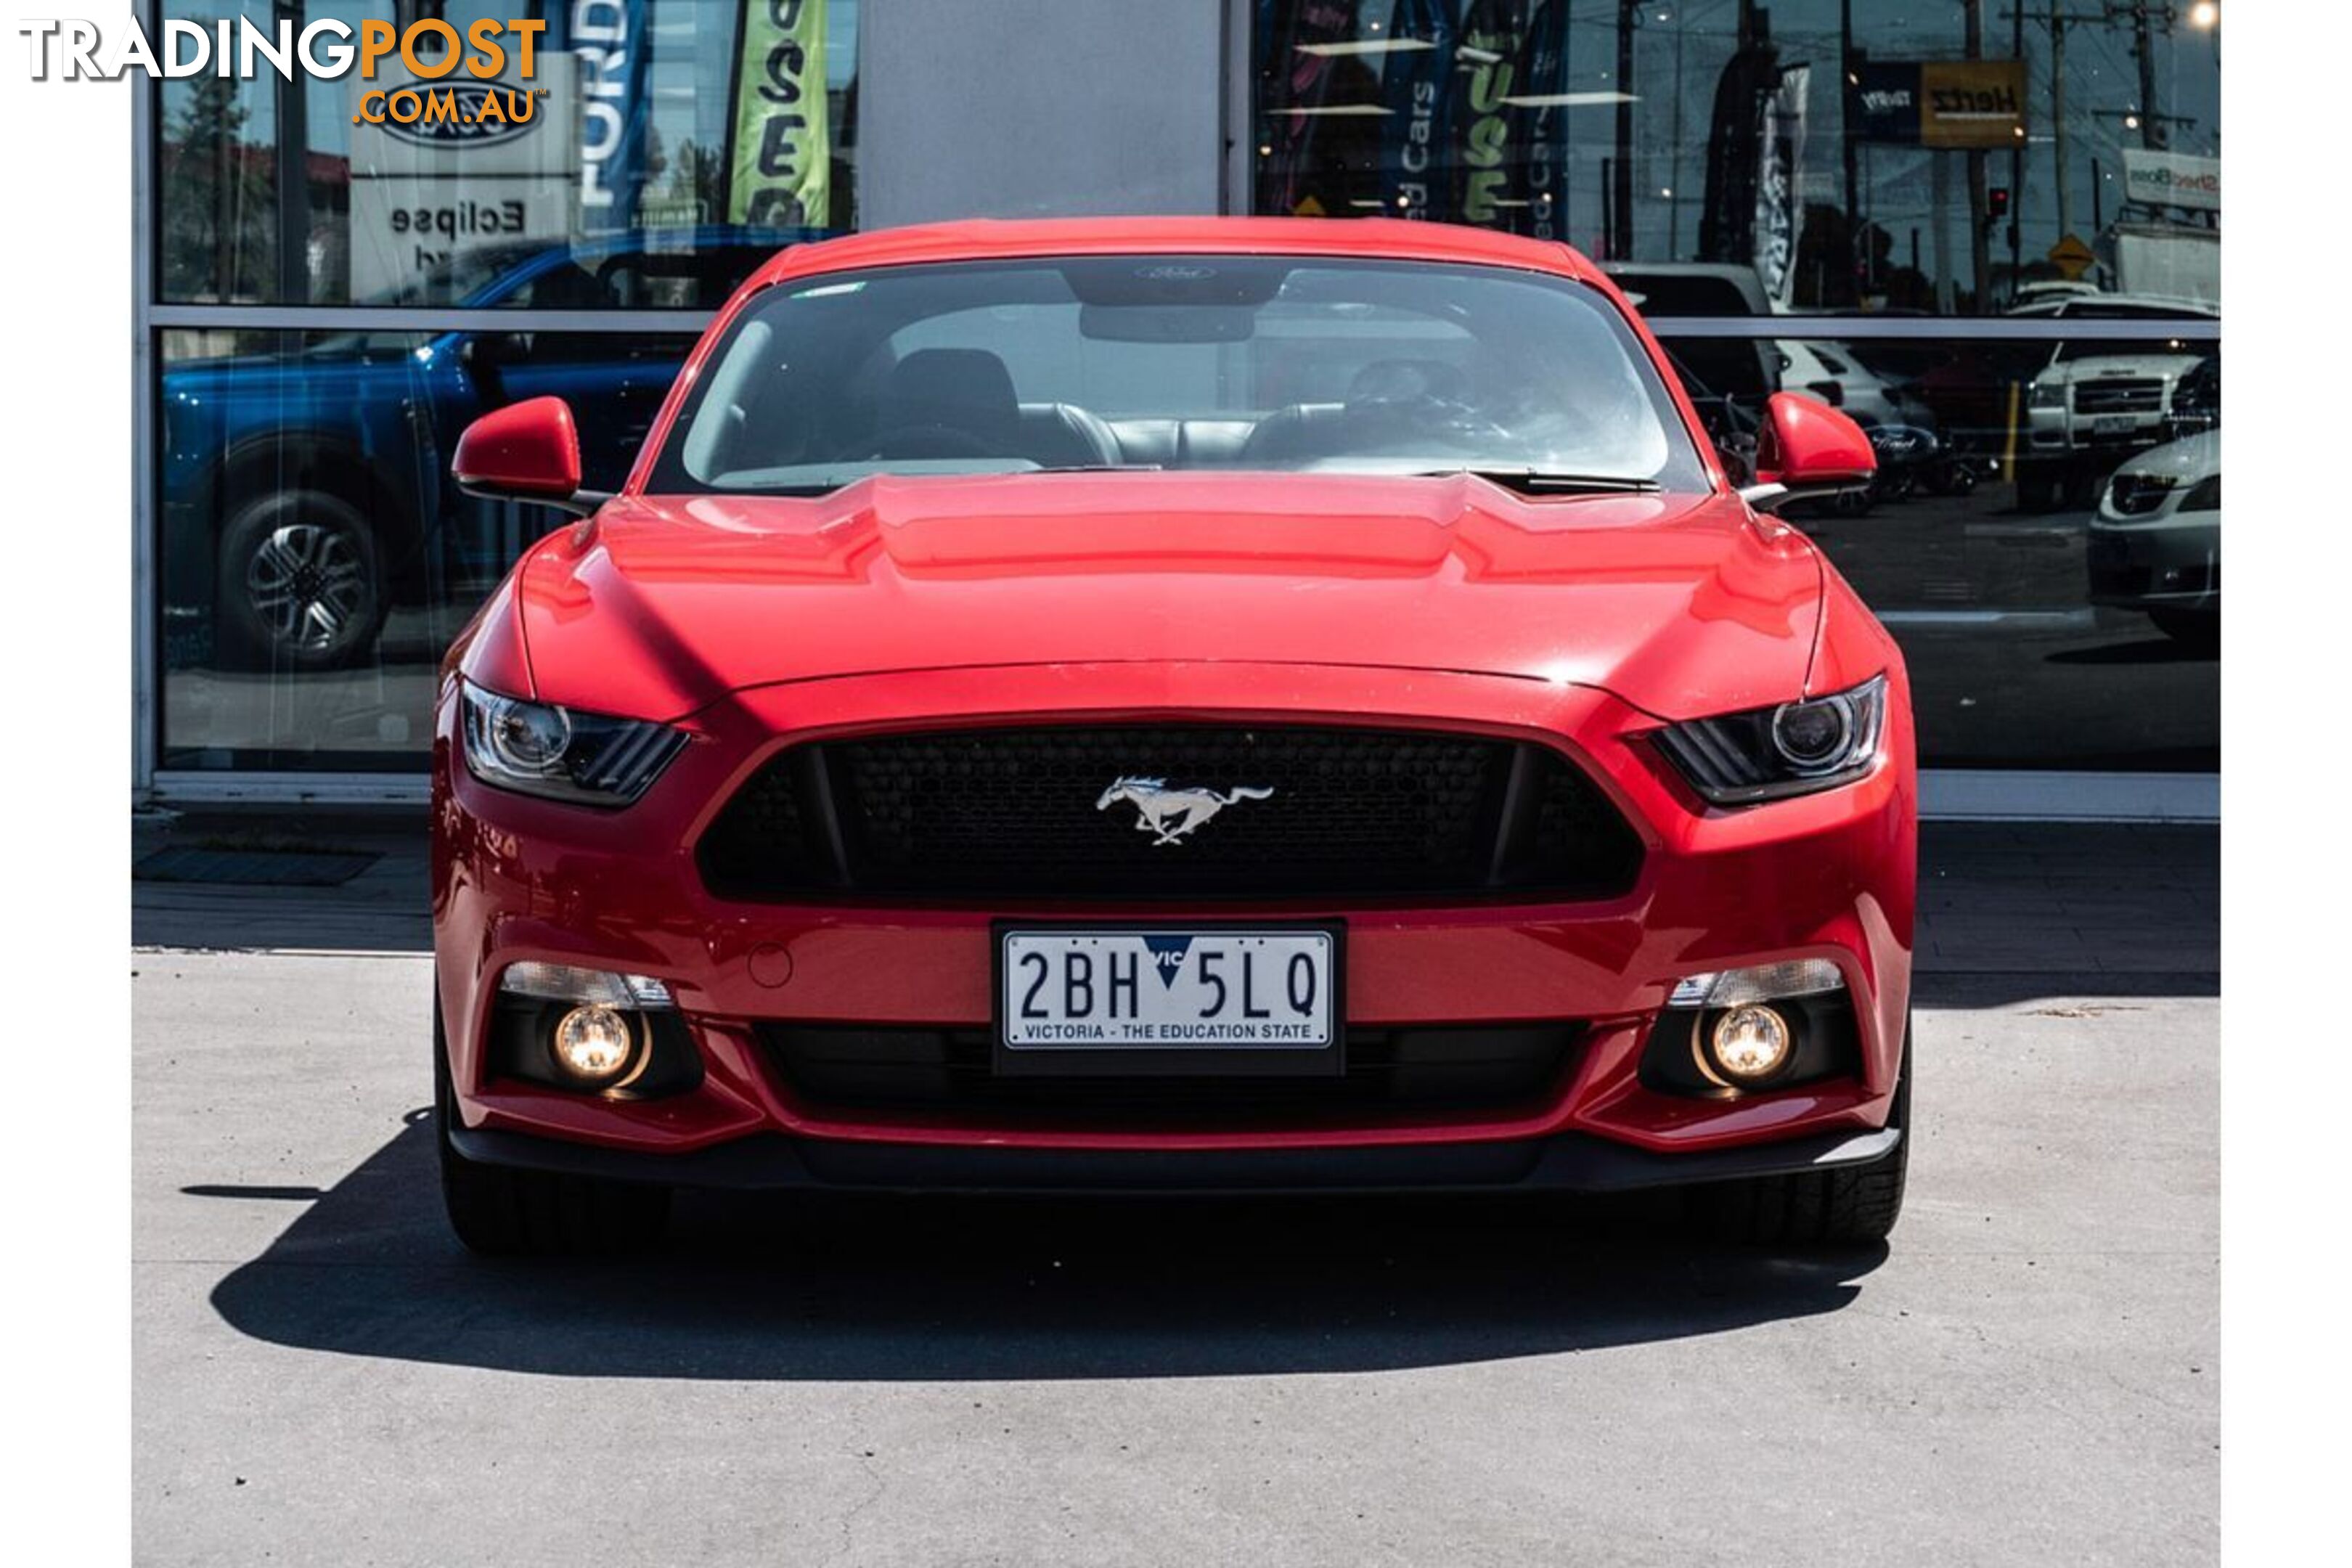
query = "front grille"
x=1455 y=1068
x=2121 y=394
x=1034 y=812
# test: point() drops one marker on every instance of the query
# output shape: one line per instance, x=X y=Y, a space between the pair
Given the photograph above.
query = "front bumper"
x=1564 y=1162
x=2159 y=565
x=2057 y=431
x=1829 y=876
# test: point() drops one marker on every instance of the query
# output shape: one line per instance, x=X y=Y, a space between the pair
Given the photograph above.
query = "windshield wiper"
x=1539 y=481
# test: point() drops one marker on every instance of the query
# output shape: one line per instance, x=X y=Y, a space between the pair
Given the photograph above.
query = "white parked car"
x=1830 y=371
x=2156 y=541
x=2097 y=401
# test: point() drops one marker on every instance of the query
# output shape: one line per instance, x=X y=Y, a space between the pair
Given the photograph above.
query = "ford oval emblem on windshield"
x=462 y=124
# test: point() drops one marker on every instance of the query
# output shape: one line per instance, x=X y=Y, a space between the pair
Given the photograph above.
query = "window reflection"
x=1846 y=154
x=713 y=125
x=2076 y=627
x=316 y=558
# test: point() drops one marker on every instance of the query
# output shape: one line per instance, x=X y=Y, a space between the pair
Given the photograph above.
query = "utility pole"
x=2058 y=21
x=1852 y=89
x=2144 y=14
x=2152 y=134
x=2016 y=157
x=1674 y=141
x=1620 y=234
x=1979 y=242
x=291 y=162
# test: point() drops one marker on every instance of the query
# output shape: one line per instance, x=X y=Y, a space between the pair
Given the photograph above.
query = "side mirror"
x=528 y=451
x=1807 y=448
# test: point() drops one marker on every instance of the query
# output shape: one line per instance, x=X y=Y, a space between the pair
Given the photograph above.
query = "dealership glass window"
x=2066 y=617
x=1954 y=157
x=315 y=558
x=665 y=125
x=2043 y=539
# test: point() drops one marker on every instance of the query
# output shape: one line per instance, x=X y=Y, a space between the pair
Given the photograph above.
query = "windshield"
x=1175 y=362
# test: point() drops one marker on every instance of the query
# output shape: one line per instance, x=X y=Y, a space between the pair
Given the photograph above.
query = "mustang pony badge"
x=1174 y=813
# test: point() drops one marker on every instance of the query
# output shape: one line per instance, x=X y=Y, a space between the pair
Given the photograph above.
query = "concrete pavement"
x=2027 y=1375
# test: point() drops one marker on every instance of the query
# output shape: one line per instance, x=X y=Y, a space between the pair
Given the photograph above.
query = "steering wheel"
x=957 y=441
x=1429 y=415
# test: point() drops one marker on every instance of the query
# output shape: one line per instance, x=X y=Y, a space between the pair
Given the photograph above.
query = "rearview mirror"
x=525 y=452
x=1806 y=448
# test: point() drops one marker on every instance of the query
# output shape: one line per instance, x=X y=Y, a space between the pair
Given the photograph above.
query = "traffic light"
x=1997 y=202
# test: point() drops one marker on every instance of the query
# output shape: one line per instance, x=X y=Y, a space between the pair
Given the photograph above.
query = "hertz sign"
x=1941 y=103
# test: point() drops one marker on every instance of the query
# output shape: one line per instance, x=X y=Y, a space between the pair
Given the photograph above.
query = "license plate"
x=1169 y=990
x=2115 y=423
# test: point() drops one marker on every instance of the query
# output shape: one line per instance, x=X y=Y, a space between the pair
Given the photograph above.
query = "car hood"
x=1681 y=604
x=2184 y=461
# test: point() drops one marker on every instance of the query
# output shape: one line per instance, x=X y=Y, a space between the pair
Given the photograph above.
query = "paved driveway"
x=2027 y=1376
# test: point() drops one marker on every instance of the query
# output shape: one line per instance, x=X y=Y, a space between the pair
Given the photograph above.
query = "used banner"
x=1781 y=153
x=1301 y=60
x=1539 y=138
x=779 y=153
x=1420 y=58
x=1504 y=115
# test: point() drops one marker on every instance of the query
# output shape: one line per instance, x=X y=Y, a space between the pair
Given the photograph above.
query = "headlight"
x=2137 y=495
x=588 y=759
x=1796 y=748
x=2046 y=394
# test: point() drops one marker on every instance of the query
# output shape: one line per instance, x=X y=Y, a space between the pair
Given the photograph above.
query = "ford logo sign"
x=466 y=127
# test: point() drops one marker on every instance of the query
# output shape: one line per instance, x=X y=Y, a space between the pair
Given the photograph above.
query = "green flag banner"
x=779 y=156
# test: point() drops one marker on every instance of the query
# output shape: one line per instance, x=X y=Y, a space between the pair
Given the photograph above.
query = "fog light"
x=1747 y=1046
x=595 y=1044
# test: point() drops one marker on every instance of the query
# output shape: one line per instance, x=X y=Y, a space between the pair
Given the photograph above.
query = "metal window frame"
x=1948 y=793
x=146 y=644
x=424 y=320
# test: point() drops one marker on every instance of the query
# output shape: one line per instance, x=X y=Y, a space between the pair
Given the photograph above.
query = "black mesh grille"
x=1494 y=1066
x=1033 y=813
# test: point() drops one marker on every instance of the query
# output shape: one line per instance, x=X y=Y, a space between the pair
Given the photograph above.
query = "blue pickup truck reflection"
x=305 y=476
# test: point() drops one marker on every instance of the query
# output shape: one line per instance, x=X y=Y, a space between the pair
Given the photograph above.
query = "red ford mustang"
x=1172 y=705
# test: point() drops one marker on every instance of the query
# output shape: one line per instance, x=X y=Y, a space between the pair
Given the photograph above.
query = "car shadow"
x=762 y=1288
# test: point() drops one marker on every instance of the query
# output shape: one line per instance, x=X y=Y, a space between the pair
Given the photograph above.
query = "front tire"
x=1851 y=1205
x=502 y=1212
